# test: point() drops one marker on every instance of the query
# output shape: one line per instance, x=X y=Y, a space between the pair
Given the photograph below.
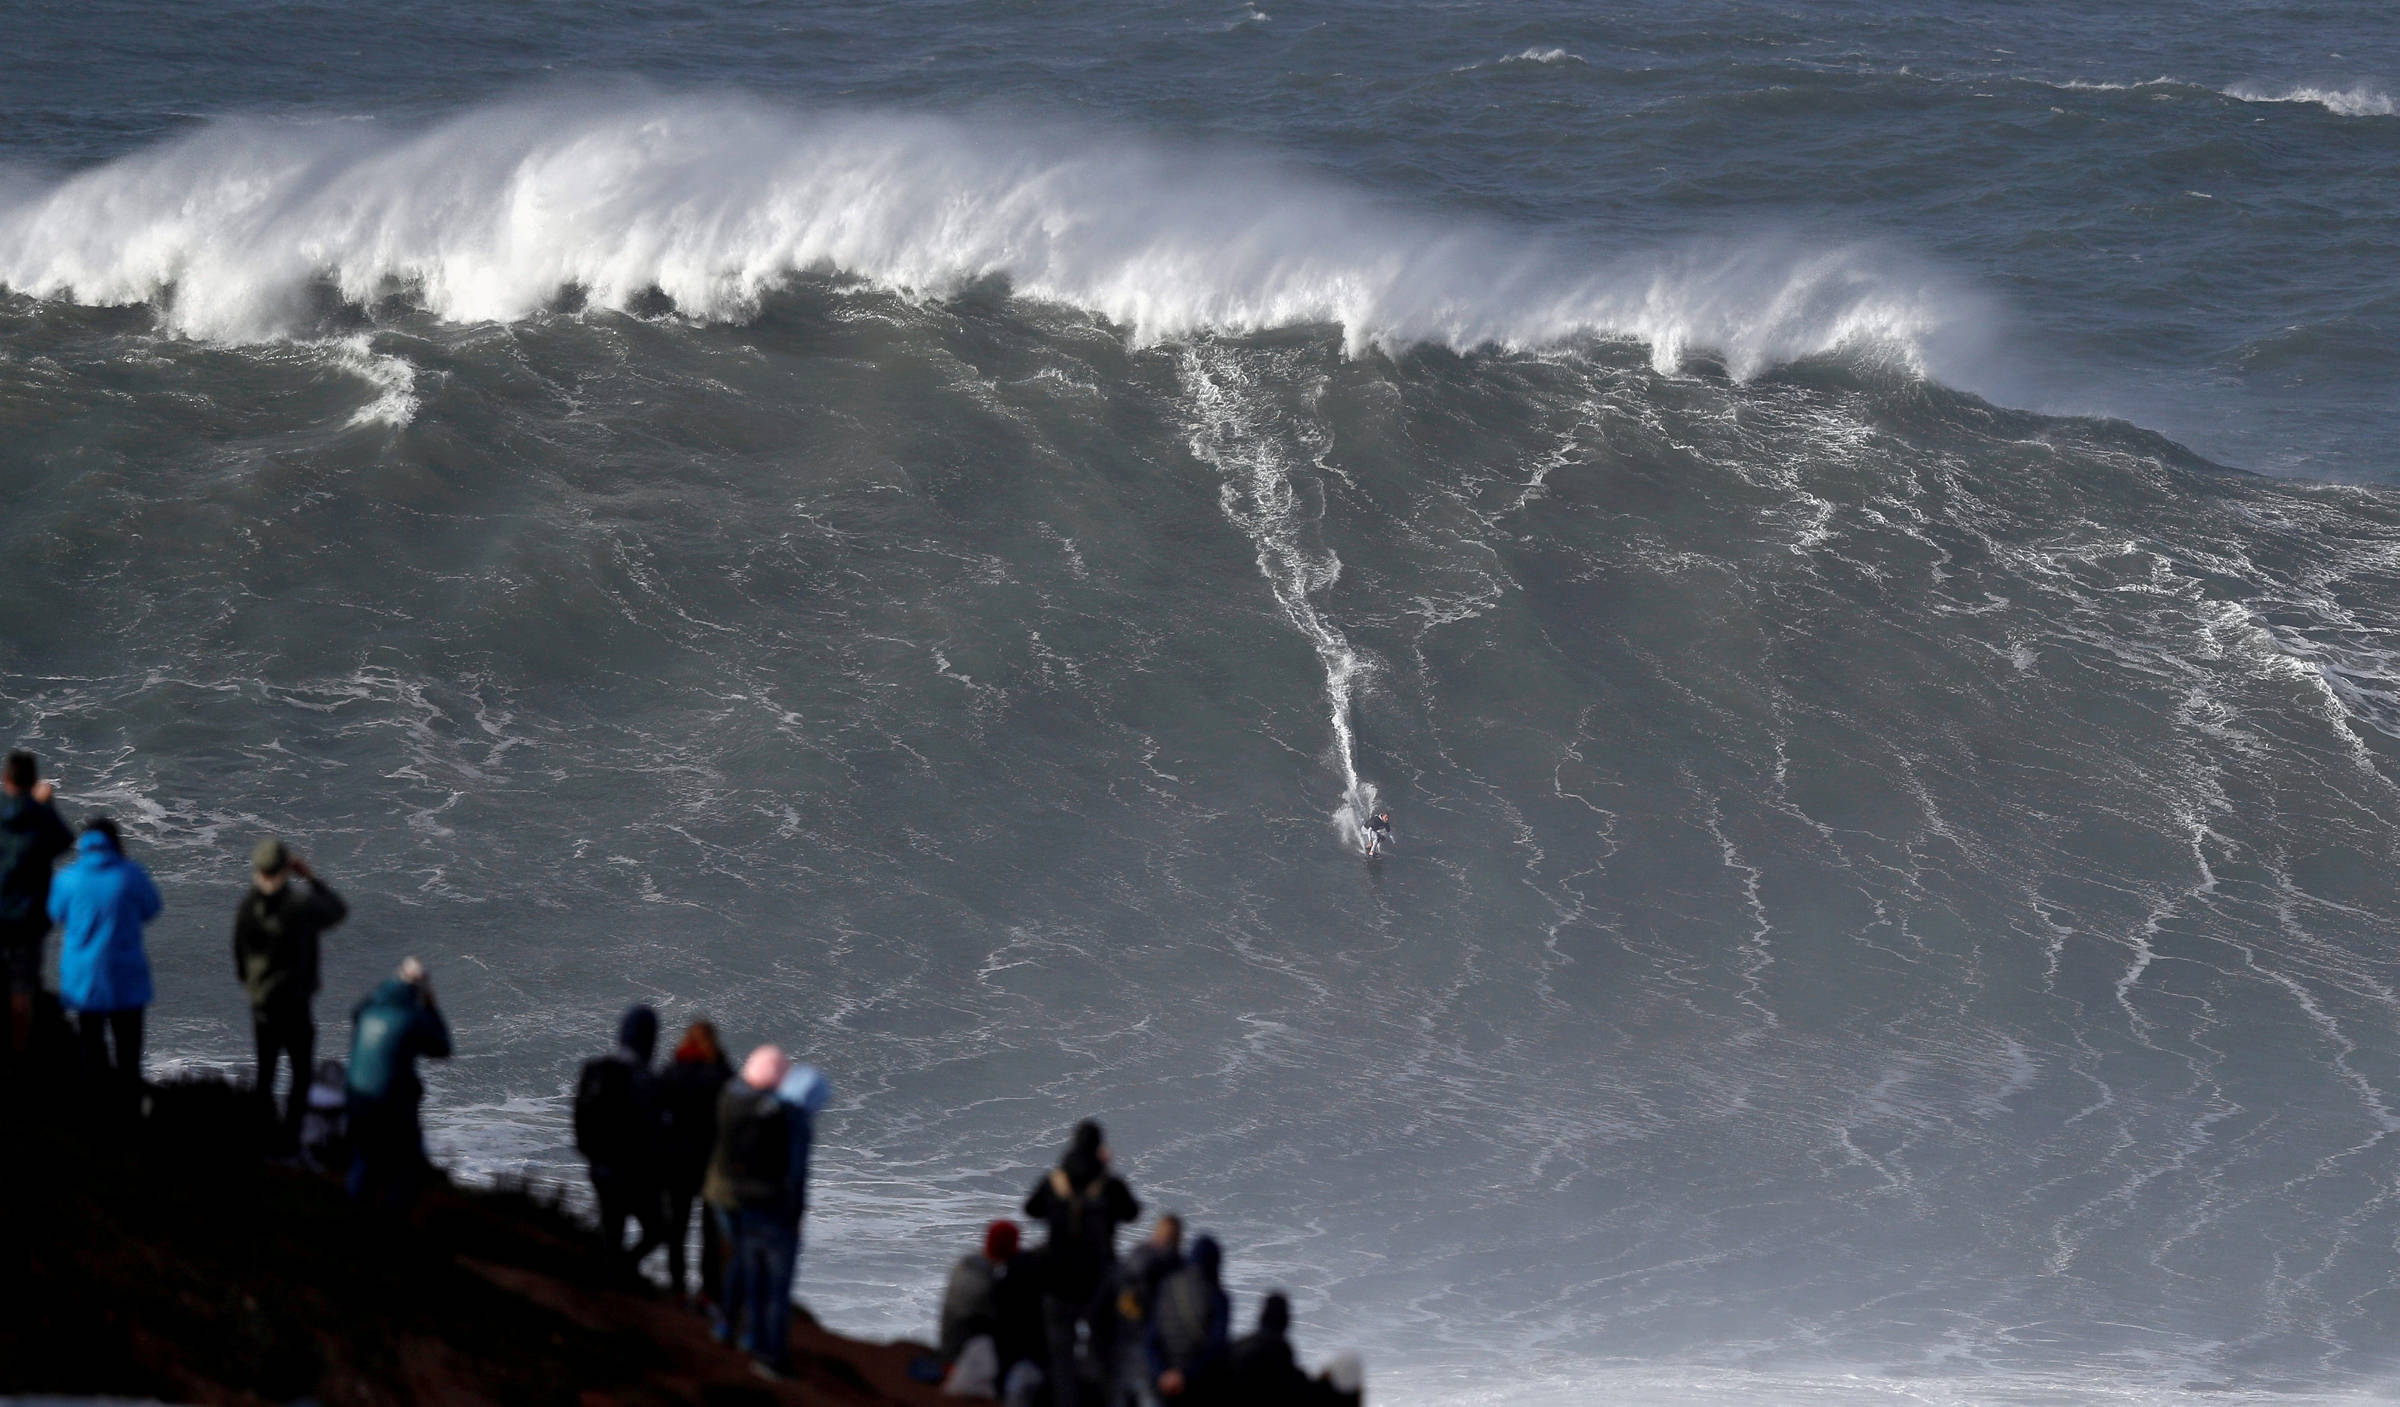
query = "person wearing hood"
x=32 y=837
x=275 y=950
x=1083 y=1204
x=1260 y=1370
x=1188 y=1328
x=757 y=1190
x=397 y=1024
x=618 y=1130
x=688 y=1090
x=101 y=903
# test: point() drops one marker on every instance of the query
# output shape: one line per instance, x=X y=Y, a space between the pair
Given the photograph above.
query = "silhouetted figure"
x=1188 y=1329
x=101 y=903
x=396 y=1025
x=325 y=1128
x=688 y=1090
x=275 y=950
x=1083 y=1204
x=757 y=1189
x=971 y=1296
x=1260 y=1369
x=619 y=1130
x=991 y=1327
x=32 y=838
x=1138 y=1277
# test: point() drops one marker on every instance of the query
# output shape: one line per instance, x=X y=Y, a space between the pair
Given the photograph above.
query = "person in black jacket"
x=688 y=1090
x=32 y=837
x=275 y=954
x=1261 y=1371
x=1083 y=1204
x=617 y=1128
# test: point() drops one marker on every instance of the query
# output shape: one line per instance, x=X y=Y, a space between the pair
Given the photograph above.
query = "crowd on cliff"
x=1068 y=1323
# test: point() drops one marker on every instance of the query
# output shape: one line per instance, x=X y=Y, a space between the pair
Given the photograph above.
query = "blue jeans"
x=762 y=1255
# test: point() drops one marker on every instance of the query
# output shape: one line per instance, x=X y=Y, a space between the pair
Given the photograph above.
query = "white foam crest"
x=715 y=200
x=2357 y=100
x=393 y=379
x=1543 y=56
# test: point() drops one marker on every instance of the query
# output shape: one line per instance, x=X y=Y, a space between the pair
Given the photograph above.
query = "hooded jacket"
x=617 y=1118
x=1083 y=1204
x=393 y=1026
x=32 y=837
x=275 y=939
x=1189 y=1325
x=101 y=902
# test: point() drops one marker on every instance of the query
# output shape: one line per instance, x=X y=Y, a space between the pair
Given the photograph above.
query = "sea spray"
x=716 y=200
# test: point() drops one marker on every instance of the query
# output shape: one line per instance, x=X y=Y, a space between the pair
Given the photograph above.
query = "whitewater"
x=1858 y=545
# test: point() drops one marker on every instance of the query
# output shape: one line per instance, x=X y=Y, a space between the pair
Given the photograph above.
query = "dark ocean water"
x=1860 y=547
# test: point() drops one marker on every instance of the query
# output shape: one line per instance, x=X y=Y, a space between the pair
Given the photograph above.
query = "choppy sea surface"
x=1859 y=542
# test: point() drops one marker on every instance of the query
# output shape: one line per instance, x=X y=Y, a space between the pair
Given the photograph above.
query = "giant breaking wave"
x=715 y=200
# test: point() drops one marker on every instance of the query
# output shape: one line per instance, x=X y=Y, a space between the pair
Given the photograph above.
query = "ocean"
x=1857 y=541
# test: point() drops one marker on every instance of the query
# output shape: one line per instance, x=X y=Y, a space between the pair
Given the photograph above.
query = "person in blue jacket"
x=100 y=903
x=397 y=1023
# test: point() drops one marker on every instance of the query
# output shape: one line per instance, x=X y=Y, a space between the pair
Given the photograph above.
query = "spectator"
x=32 y=837
x=101 y=902
x=325 y=1128
x=971 y=1298
x=1083 y=1205
x=396 y=1024
x=1188 y=1329
x=1260 y=1370
x=275 y=945
x=618 y=1129
x=1138 y=1278
x=757 y=1190
x=688 y=1092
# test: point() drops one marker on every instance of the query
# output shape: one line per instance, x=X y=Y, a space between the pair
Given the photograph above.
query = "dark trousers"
x=762 y=1255
x=95 y=1029
x=387 y=1153
x=283 y=1031
x=1060 y=1316
x=627 y=1197
x=712 y=1245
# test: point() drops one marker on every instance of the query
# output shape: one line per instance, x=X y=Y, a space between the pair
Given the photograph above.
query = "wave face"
x=1874 y=871
x=1892 y=890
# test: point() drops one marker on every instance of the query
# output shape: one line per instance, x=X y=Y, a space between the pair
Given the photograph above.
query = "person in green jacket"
x=275 y=951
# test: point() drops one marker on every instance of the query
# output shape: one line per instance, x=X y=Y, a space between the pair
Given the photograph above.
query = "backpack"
x=757 y=1142
x=1082 y=1231
x=608 y=1113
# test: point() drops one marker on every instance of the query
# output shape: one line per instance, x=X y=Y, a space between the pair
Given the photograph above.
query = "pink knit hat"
x=765 y=1068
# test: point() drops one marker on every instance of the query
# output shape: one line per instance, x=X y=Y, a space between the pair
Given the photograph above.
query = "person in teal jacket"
x=100 y=903
x=397 y=1023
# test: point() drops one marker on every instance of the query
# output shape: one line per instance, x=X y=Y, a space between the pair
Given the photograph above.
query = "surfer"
x=1378 y=832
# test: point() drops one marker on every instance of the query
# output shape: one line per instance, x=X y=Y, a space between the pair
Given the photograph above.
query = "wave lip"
x=715 y=200
x=2357 y=100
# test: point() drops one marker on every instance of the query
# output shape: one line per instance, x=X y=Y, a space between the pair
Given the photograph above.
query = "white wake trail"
x=1230 y=430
